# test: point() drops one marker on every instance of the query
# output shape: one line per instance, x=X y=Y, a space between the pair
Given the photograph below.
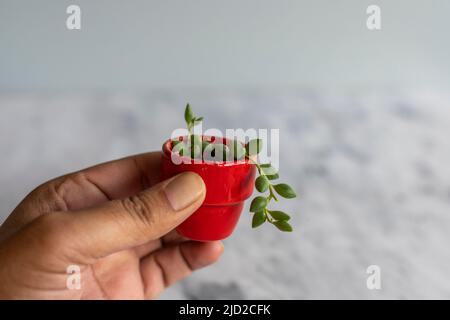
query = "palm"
x=117 y=277
x=121 y=276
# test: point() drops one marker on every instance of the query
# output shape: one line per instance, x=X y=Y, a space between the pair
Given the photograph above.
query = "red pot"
x=228 y=185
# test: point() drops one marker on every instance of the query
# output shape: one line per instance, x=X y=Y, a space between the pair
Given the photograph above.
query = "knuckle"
x=54 y=195
x=141 y=208
x=61 y=188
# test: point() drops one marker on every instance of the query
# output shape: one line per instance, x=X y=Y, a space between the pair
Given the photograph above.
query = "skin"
x=115 y=222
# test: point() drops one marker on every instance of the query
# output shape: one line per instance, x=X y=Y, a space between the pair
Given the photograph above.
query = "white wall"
x=141 y=44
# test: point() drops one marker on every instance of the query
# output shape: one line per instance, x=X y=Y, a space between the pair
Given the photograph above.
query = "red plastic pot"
x=228 y=185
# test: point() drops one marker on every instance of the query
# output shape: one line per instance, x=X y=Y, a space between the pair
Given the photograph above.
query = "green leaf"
x=237 y=150
x=182 y=149
x=268 y=170
x=283 y=226
x=220 y=151
x=261 y=184
x=195 y=146
x=258 y=204
x=209 y=151
x=253 y=147
x=175 y=143
x=285 y=190
x=226 y=153
x=205 y=144
x=179 y=147
x=216 y=152
x=196 y=140
x=188 y=114
x=258 y=219
x=279 y=215
x=196 y=152
x=272 y=176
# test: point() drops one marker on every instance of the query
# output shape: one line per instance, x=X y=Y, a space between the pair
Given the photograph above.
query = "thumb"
x=123 y=224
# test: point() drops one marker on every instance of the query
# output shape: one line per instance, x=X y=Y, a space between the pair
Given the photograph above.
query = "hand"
x=115 y=222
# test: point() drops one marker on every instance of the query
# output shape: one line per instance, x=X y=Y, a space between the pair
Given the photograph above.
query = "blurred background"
x=364 y=119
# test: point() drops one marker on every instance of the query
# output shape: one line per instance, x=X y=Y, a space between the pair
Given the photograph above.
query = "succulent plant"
x=196 y=148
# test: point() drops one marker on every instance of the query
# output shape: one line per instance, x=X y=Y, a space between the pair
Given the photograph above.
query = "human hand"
x=115 y=222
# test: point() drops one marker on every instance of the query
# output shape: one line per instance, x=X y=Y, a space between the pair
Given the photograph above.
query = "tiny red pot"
x=228 y=185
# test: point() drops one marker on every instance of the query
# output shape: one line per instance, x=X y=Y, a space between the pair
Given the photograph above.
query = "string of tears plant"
x=259 y=205
x=196 y=148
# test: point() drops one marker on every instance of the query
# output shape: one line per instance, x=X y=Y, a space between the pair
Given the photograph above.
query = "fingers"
x=169 y=239
x=111 y=180
x=87 y=188
x=171 y=264
x=125 y=177
x=134 y=221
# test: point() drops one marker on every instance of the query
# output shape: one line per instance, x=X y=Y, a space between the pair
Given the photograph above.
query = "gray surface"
x=154 y=43
x=371 y=170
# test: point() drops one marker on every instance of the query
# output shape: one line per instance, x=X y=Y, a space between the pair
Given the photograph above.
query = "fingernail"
x=183 y=190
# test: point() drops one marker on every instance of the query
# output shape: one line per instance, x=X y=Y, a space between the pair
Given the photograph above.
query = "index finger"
x=87 y=188
x=124 y=177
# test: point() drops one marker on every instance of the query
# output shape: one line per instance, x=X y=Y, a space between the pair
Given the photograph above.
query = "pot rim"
x=167 y=151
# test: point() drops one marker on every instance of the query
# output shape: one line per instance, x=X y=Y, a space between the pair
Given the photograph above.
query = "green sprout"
x=197 y=149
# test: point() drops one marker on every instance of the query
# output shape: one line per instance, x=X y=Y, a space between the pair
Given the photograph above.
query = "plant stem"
x=271 y=189
x=261 y=173
x=272 y=192
x=268 y=218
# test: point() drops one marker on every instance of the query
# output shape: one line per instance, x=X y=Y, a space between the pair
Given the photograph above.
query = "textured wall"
x=141 y=44
x=371 y=170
